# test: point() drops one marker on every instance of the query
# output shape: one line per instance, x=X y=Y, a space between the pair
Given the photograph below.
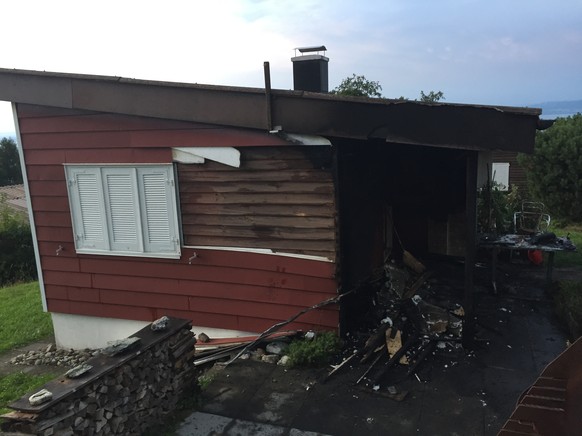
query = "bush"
x=568 y=306
x=554 y=170
x=315 y=352
x=17 y=262
x=10 y=172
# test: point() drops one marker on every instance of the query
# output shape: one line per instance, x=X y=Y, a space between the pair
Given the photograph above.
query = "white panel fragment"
x=226 y=155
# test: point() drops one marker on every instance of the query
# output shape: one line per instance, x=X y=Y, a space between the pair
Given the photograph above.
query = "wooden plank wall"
x=281 y=198
x=221 y=289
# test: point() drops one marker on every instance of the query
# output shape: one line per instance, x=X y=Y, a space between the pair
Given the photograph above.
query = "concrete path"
x=200 y=423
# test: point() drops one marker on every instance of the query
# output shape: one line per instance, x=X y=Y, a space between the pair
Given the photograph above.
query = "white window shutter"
x=119 y=186
x=124 y=210
x=158 y=205
x=86 y=200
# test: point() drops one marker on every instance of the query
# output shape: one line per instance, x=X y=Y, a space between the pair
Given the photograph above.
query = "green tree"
x=431 y=97
x=554 y=170
x=10 y=172
x=358 y=86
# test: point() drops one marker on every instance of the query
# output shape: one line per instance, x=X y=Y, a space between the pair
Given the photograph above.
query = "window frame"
x=129 y=210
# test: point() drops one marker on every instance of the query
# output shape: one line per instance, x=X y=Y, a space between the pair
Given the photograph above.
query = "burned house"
x=237 y=207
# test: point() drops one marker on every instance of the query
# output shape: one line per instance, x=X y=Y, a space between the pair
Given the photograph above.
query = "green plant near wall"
x=495 y=208
x=315 y=352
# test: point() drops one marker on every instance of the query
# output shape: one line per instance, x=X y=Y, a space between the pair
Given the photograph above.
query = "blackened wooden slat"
x=265 y=187
x=284 y=220
x=288 y=210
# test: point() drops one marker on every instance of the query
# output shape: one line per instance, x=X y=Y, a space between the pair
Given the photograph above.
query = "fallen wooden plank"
x=275 y=327
x=221 y=342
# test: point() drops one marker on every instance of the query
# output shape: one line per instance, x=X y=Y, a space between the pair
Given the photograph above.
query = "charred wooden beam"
x=470 y=248
x=396 y=357
x=426 y=349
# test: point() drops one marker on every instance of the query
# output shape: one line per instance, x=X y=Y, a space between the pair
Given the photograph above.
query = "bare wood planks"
x=281 y=198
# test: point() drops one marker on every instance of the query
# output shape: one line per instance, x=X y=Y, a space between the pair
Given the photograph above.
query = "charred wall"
x=391 y=192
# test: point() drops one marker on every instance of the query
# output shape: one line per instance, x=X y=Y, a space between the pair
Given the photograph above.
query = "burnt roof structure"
x=471 y=127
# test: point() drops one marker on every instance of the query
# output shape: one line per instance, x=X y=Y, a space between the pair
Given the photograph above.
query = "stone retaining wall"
x=122 y=394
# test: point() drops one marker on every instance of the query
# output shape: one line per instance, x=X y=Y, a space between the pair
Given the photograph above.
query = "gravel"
x=54 y=357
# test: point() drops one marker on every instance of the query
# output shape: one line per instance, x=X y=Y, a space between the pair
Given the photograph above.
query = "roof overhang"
x=402 y=121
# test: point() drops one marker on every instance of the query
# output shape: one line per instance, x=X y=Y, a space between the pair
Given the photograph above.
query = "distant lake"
x=554 y=109
x=8 y=135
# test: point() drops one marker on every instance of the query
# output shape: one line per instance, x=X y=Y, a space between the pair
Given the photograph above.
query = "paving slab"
x=200 y=423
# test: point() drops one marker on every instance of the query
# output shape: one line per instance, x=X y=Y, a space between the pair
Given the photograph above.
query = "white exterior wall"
x=79 y=332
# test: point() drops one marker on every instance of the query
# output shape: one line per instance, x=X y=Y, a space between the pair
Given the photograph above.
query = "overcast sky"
x=508 y=52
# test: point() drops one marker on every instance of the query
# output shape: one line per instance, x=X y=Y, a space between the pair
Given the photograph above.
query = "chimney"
x=310 y=70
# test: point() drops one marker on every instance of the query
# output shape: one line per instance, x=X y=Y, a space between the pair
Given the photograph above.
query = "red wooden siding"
x=280 y=199
x=221 y=289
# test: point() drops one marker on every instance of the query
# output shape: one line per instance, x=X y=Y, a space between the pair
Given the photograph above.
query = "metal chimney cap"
x=322 y=48
x=308 y=49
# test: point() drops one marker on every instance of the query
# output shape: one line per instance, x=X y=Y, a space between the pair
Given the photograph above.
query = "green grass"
x=14 y=386
x=568 y=259
x=22 y=319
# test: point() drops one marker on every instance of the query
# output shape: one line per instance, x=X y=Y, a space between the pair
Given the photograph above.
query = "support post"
x=470 y=247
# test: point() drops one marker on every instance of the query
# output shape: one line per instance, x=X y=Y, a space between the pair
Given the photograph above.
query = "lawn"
x=13 y=386
x=568 y=295
x=22 y=319
x=570 y=259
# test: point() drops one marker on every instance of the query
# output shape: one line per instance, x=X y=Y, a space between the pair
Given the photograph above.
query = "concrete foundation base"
x=79 y=332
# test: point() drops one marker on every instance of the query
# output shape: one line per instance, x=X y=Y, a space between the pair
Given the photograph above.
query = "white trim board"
x=30 y=212
x=196 y=155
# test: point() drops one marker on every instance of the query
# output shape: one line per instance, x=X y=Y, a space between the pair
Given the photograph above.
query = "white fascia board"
x=225 y=155
x=30 y=212
x=259 y=251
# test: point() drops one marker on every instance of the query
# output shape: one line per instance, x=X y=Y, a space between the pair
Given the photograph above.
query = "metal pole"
x=267 y=72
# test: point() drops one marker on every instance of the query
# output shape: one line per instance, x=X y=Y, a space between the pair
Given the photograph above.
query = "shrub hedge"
x=17 y=263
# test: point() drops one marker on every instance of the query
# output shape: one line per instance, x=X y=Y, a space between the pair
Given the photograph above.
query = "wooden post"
x=470 y=247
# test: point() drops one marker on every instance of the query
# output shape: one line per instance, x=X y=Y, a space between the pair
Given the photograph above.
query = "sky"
x=497 y=52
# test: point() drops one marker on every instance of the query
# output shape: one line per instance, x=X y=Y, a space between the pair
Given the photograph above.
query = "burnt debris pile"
x=413 y=316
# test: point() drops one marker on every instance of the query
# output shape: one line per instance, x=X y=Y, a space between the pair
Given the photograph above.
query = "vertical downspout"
x=470 y=247
x=29 y=207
